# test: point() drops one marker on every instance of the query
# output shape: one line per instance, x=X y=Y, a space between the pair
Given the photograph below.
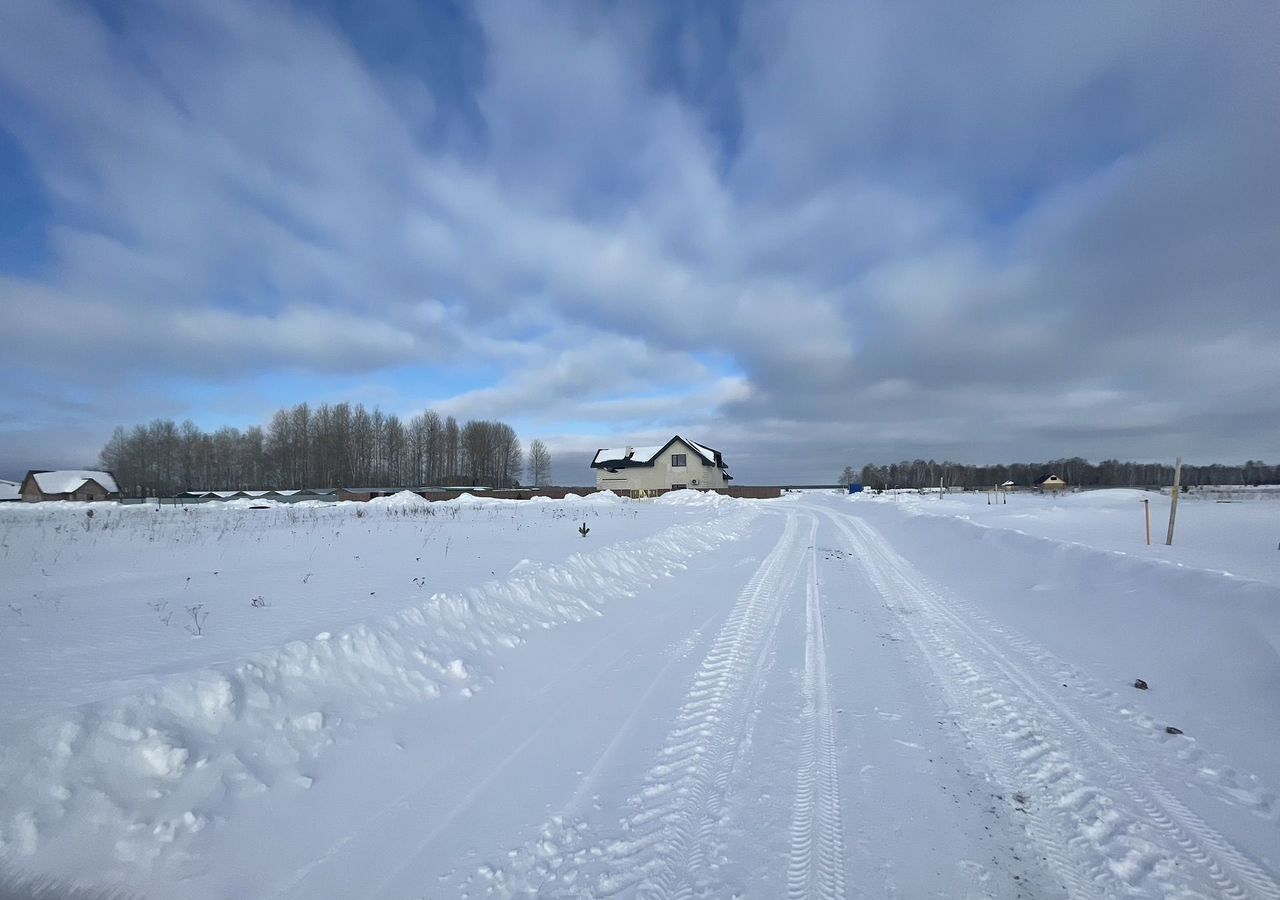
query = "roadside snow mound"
x=243 y=503
x=468 y=498
x=115 y=785
x=599 y=498
x=595 y=498
x=400 y=500
x=695 y=498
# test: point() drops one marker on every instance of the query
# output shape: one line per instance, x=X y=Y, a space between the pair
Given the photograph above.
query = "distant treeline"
x=323 y=446
x=1076 y=472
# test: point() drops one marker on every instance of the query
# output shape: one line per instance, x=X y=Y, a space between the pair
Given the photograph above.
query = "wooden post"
x=1173 y=505
x=1146 y=502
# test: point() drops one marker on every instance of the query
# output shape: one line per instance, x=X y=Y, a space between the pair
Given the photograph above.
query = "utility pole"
x=1173 y=505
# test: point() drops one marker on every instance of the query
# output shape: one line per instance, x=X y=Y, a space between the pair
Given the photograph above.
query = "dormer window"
x=679 y=460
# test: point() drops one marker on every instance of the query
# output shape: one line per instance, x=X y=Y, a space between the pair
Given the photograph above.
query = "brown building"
x=68 y=485
x=1051 y=483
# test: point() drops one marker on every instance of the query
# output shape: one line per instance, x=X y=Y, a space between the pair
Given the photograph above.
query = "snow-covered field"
x=1237 y=537
x=818 y=696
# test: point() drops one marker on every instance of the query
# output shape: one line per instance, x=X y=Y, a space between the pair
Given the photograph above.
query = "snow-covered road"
x=800 y=709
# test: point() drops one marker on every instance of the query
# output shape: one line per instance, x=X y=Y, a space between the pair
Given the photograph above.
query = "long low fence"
x=746 y=492
x=550 y=493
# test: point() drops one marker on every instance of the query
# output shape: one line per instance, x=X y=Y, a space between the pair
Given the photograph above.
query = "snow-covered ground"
x=1235 y=536
x=818 y=696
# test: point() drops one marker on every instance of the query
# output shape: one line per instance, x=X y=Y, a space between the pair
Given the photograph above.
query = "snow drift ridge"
x=114 y=783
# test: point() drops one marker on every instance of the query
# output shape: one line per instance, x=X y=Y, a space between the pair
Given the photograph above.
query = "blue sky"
x=809 y=235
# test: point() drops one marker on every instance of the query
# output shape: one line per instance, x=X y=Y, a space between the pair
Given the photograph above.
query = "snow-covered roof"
x=705 y=451
x=64 y=482
x=634 y=454
x=9 y=490
x=643 y=456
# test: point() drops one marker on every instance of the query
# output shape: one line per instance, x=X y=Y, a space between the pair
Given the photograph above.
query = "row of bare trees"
x=328 y=445
x=1075 y=471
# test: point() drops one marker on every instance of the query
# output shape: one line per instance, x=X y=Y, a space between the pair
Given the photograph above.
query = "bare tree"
x=452 y=465
x=510 y=456
x=539 y=463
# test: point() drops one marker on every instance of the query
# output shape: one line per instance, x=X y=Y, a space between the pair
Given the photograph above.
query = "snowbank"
x=695 y=498
x=400 y=500
x=599 y=498
x=244 y=503
x=469 y=499
x=115 y=784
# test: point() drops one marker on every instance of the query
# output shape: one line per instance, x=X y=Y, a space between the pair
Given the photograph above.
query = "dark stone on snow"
x=1140 y=684
x=1169 y=729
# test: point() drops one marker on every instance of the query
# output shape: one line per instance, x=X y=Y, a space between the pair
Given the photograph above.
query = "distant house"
x=675 y=465
x=9 y=491
x=1051 y=483
x=68 y=485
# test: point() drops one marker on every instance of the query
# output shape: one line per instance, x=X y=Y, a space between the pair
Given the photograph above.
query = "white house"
x=674 y=465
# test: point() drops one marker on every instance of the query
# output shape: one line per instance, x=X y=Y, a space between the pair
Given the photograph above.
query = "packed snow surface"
x=818 y=696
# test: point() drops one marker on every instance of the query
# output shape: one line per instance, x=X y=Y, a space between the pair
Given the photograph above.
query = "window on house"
x=678 y=487
x=679 y=460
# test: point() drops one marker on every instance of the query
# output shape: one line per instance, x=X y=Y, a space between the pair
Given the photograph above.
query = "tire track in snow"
x=816 y=868
x=1208 y=771
x=298 y=884
x=680 y=807
x=1127 y=835
x=669 y=846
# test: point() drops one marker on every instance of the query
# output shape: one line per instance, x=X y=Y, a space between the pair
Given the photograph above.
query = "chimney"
x=630 y=452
